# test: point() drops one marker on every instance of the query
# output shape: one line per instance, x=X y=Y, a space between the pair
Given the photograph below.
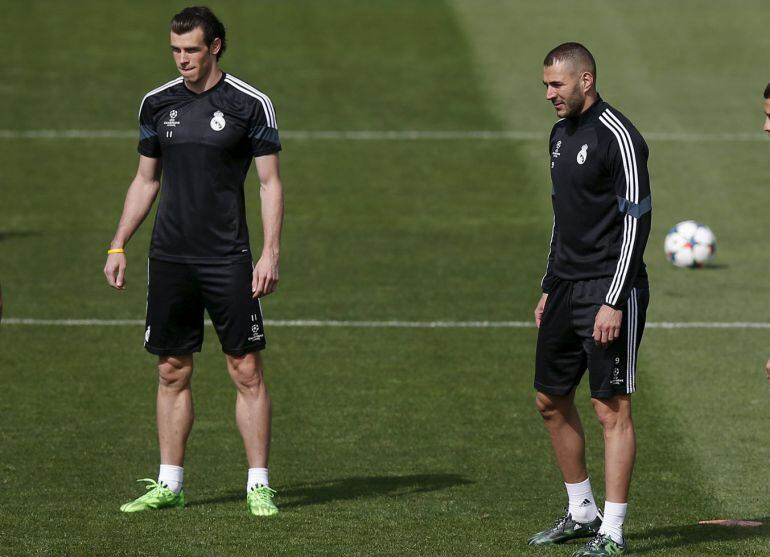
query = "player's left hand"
x=768 y=369
x=607 y=325
x=264 y=279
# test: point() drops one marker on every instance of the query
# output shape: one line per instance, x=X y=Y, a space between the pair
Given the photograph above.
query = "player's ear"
x=587 y=81
x=216 y=46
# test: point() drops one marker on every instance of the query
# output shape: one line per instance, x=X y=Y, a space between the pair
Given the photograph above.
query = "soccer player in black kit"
x=595 y=294
x=199 y=133
x=766 y=128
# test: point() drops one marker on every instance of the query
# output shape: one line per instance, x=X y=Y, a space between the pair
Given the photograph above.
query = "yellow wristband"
x=116 y=250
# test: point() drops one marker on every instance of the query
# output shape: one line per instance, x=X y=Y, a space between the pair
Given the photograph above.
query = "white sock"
x=582 y=506
x=612 y=524
x=171 y=476
x=257 y=476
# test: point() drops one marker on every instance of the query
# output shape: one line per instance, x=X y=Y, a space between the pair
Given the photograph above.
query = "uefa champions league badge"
x=555 y=153
x=172 y=122
x=255 y=334
x=218 y=121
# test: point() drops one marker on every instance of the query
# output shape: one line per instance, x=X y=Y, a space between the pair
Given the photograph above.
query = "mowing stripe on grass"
x=392 y=135
x=390 y=324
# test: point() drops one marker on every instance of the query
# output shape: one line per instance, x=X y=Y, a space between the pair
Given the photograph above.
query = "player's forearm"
x=271 y=195
x=139 y=199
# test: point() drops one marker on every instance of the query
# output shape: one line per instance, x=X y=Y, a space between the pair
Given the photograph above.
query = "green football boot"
x=259 y=501
x=566 y=529
x=158 y=496
x=601 y=546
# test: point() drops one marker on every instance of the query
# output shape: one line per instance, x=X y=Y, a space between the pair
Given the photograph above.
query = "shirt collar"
x=591 y=113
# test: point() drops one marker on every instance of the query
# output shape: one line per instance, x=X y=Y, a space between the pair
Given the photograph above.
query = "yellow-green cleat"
x=158 y=496
x=259 y=501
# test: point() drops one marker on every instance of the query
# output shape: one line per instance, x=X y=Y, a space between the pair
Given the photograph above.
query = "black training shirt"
x=206 y=142
x=601 y=202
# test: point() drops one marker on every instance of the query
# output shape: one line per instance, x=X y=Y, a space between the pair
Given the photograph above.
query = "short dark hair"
x=767 y=91
x=200 y=16
x=573 y=52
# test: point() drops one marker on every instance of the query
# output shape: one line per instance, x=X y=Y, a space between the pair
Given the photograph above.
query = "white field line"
x=386 y=324
x=391 y=135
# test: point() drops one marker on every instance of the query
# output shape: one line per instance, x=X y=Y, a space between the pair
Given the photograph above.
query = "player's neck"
x=206 y=82
x=590 y=100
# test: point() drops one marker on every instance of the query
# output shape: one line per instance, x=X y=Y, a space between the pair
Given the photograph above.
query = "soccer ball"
x=690 y=244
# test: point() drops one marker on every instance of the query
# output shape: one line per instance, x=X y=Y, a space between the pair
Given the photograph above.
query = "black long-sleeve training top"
x=601 y=199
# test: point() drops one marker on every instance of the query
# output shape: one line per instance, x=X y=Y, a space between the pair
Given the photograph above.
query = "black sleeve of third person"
x=627 y=162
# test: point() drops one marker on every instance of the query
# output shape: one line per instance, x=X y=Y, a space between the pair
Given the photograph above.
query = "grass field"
x=386 y=441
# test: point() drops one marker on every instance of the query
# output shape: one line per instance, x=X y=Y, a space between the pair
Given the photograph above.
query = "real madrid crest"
x=583 y=154
x=218 y=121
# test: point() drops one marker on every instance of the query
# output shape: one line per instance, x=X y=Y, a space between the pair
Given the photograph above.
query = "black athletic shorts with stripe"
x=178 y=293
x=565 y=344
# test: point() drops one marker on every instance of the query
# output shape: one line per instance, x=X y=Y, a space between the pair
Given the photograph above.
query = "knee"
x=175 y=371
x=608 y=420
x=612 y=414
x=246 y=372
x=548 y=406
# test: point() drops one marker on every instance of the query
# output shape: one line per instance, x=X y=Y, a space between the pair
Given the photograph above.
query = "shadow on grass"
x=228 y=497
x=657 y=540
x=343 y=489
x=11 y=234
x=714 y=267
x=354 y=488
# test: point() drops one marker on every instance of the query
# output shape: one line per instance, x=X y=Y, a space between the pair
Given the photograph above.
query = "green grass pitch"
x=386 y=441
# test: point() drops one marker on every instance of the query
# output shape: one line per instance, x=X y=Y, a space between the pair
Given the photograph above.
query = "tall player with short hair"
x=595 y=294
x=767 y=129
x=199 y=134
x=767 y=109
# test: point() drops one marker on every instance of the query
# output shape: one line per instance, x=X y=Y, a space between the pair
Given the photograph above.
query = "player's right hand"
x=115 y=270
x=539 y=309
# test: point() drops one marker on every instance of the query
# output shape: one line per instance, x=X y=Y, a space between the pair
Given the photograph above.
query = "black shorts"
x=565 y=344
x=177 y=294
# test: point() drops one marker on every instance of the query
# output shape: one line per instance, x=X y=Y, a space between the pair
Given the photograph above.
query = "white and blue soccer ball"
x=690 y=244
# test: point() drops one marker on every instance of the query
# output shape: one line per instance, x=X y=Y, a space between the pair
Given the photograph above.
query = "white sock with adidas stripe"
x=582 y=506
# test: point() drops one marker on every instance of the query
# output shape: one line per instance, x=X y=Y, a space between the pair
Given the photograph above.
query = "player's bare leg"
x=619 y=454
x=252 y=414
x=174 y=407
x=174 y=414
x=581 y=518
x=562 y=421
x=619 y=444
x=252 y=406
